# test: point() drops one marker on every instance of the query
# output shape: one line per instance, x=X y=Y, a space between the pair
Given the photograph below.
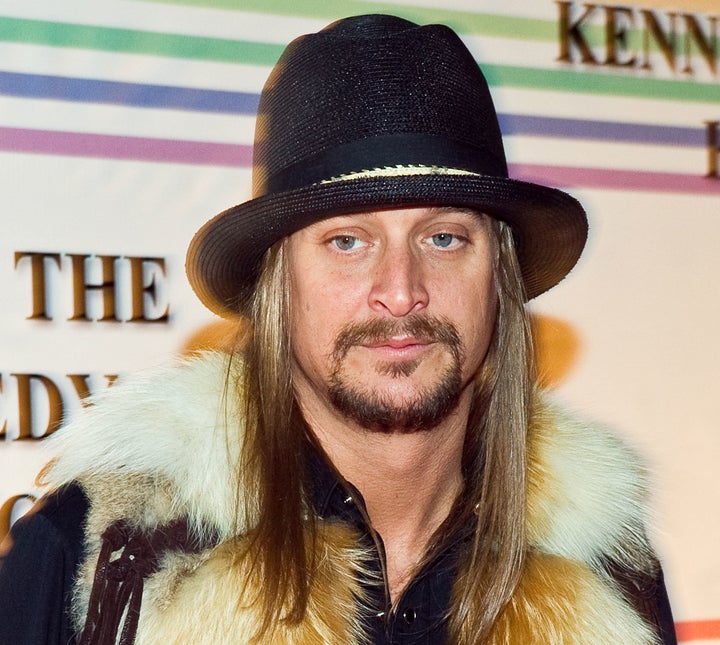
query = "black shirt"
x=38 y=571
x=420 y=615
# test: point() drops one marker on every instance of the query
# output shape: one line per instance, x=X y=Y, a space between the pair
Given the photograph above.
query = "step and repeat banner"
x=125 y=124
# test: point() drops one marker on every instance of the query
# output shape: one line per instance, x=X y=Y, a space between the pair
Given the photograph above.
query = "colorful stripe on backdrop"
x=202 y=100
x=253 y=53
x=110 y=39
x=205 y=153
x=86 y=90
x=102 y=146
x=698 y=630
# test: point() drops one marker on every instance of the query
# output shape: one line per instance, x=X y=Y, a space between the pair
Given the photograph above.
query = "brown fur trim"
x=564 y=603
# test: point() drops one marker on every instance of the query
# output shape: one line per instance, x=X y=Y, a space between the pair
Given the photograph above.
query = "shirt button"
x=409 y=616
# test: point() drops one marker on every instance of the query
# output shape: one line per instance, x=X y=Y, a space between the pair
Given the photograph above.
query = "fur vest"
x=156 y=448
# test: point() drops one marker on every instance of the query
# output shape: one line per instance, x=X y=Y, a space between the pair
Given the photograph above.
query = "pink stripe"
x=570 y=177
x=225 y=154
x=76 y=144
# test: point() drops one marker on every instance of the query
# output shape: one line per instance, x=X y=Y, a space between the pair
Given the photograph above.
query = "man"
x=374 y=465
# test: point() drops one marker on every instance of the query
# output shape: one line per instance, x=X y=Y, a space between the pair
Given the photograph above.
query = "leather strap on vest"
x=127 y=558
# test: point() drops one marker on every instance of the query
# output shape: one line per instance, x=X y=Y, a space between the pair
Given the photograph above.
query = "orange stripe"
x=696 y=630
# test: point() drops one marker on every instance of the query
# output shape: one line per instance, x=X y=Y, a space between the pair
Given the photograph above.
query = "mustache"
x=426 y=329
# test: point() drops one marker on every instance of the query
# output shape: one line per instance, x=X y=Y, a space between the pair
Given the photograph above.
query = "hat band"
x=399 y=171
x=403 y=150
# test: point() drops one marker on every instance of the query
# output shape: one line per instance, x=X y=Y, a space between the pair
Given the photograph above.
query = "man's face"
x=391 y=313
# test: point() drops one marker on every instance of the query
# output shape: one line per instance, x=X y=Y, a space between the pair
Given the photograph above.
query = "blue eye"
x=443 y=240
x=345 y=242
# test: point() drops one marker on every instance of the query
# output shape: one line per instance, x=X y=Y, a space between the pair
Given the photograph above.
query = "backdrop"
x=125 y=124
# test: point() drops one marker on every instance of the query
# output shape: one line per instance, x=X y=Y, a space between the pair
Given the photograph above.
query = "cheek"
x=318 y=312
x=326 y=298
x=475 y=311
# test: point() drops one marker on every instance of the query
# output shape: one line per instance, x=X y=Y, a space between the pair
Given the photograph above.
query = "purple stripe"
x=573 y=177
x=76 y=144
x=519 y=124
x=236 y=155
x=88 y=90
x=84 y=90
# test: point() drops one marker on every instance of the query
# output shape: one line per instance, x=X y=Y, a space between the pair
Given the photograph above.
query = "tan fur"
x=140 y=498
x=223 y=587
x=564 y=603
x=163 y=446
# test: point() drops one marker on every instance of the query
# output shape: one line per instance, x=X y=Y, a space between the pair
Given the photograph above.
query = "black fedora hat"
x=376 y=112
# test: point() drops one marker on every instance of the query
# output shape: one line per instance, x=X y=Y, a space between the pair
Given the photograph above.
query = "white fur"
x=591 y=495
x=172 y=437
x=174 y=423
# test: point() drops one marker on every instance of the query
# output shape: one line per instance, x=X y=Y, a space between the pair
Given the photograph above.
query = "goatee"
x=375 y=410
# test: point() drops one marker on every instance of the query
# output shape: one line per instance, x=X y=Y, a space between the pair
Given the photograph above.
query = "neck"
x=409 y=480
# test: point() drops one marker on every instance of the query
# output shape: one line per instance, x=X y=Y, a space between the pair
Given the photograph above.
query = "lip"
x=401 y=347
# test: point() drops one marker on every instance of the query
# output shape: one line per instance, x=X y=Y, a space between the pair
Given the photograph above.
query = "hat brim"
x=225 y=255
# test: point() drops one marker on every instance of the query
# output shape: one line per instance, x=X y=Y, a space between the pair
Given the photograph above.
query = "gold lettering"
x=26 y=409
x=82 y=289
x=707 y=46
x=656 y=30
x=38 y=280
x=665 y=41
x=617 y=21
x=140 y=290
x=104 y=287
x=82 y=386
x=3 y=430
x=571 y=34
x=42 y=401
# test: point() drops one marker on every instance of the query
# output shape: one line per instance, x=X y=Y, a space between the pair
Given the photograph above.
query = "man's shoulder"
x=50 y=535
x=58 y=516
x=167 y=437
x=170 y=407
x=64 y=508
x=587 y=489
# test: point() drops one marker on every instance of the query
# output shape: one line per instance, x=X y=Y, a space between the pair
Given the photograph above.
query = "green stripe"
x=462 y=21
x=608 y=84
x=57 y=34
x=253 y=53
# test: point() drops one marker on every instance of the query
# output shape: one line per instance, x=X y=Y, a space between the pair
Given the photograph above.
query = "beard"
x=375 y=410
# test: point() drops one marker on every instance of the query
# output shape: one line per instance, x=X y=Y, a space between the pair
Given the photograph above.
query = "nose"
x=398 y=286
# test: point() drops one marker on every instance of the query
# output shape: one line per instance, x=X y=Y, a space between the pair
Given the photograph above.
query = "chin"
x=398 y=406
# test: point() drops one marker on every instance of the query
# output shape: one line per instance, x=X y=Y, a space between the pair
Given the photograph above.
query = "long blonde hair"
x=495 y=460
x=272 y=476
